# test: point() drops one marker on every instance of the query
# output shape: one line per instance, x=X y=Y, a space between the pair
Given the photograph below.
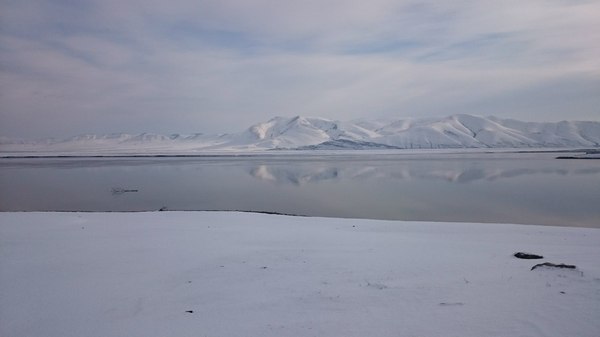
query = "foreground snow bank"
x=239 y=274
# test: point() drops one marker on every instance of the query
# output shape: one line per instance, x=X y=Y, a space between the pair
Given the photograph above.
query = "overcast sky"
x=75 y=66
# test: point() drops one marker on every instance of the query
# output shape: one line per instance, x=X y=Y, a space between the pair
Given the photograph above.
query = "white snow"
x=242 y=274
x=457 y=131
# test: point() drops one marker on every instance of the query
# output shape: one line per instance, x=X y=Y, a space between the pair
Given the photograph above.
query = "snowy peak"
x=281 y=126
x=282 y=132
x=460 y=131
x=488 y=132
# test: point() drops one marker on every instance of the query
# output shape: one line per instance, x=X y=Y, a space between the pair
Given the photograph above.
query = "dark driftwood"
x=120 y=190
x=548 y=264
x=522 y=255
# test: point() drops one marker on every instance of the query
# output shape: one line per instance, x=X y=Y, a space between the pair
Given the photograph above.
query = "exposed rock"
x=548 y=264
x=528 y=256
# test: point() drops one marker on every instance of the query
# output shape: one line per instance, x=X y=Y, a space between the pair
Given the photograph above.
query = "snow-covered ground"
x=242 y=274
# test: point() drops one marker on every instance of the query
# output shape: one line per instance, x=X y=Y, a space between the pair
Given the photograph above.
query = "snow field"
x=243 y=274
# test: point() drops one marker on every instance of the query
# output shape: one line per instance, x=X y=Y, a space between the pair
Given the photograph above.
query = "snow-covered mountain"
x=457 y=131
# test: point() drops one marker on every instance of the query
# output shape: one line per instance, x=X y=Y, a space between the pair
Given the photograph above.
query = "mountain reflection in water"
x=299 y=175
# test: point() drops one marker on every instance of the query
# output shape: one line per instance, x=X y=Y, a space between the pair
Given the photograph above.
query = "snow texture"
x=242 y=274
x=457 y=131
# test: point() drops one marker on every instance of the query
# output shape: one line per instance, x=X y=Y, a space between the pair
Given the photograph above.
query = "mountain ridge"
x=315 y=133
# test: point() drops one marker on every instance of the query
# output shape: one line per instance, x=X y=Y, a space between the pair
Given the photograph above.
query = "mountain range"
x=313 y=133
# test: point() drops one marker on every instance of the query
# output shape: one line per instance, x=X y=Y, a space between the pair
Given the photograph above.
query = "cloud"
x=212 y=66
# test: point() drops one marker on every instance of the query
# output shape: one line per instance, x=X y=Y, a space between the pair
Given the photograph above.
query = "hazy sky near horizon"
x=74 y=66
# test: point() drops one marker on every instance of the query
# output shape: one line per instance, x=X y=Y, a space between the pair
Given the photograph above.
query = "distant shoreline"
x=250 y=154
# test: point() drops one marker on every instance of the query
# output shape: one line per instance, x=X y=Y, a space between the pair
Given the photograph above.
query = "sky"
x=71 y=67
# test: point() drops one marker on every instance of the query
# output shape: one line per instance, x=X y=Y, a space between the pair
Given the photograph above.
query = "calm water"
x=508 y=188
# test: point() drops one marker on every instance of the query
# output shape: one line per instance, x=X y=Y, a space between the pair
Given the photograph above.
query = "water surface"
x=476 y=187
